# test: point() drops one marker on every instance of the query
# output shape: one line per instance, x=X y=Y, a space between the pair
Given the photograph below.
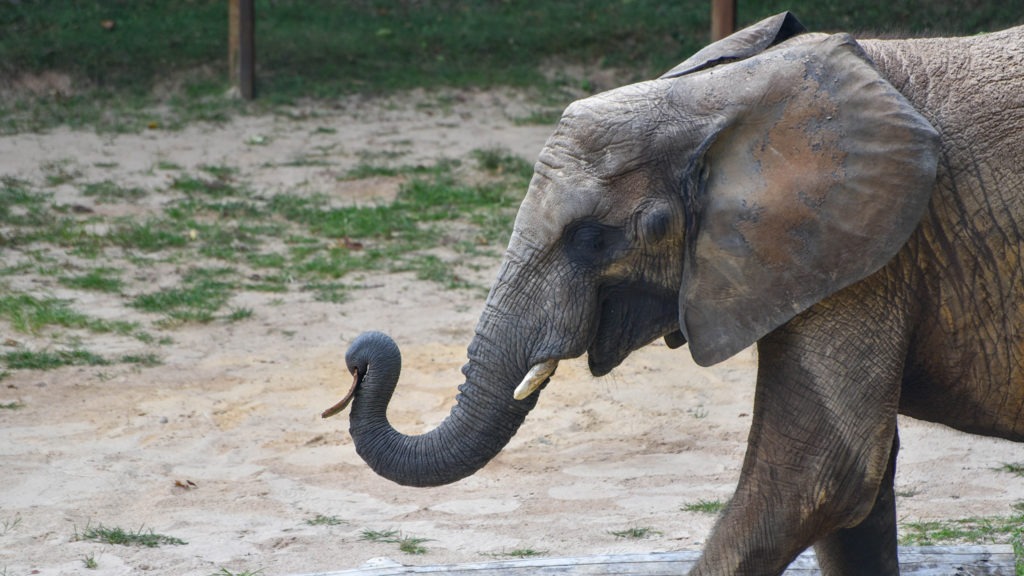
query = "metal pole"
x=723 y=18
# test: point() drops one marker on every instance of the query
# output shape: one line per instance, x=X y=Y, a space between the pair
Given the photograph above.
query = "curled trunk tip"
x=482 y=421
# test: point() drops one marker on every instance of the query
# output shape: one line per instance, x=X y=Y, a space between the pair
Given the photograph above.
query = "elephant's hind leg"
x=869 y=548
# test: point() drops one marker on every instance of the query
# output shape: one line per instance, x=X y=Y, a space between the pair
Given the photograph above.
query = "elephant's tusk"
x=534 y=378
x=344 y=401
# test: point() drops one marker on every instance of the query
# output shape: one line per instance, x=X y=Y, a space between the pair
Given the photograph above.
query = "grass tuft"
x=110 y=192
x=120 y=536
x=321 y=520
x=518 y=553
x=977 y=530
x=97 y=280
x=412 y=545
x=636 y=533
x=7 y=525
x=47 y=360
x=203 y=294
x=379 y=535
x=501 y=161
x=705 y=506
x=29 y=314
x=1015 y=468
x=407 y=544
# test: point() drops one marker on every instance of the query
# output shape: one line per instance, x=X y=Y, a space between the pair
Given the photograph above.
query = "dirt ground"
x=222 y=445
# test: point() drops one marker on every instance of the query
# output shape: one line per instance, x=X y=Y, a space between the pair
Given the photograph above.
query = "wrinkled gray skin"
x=856 y=209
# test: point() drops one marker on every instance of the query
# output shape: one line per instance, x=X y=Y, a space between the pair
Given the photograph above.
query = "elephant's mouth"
x=630 y=317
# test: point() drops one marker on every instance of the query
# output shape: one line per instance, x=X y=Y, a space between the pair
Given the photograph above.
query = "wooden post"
x=242 y=46
x=723 y=18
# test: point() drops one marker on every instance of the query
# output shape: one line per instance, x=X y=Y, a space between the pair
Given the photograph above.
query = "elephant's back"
x=967 y=363
x=971 y=88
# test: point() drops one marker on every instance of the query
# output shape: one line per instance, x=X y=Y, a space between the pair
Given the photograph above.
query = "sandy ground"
x=222 y=446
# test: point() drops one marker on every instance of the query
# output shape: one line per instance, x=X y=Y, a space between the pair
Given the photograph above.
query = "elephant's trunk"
x=483 y=420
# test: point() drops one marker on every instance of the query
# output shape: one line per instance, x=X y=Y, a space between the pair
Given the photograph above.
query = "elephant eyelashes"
x=594 y=244
x=655 y=226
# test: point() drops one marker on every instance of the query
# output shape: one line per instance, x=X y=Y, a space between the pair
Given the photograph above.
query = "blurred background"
x=57 y=53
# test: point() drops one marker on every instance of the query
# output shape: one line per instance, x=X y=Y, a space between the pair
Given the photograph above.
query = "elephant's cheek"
x=629 y=320
x=601 y=366
x=609 y=347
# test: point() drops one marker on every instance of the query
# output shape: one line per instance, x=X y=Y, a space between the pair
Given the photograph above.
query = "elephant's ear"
x=742 y=44
x=814 y=175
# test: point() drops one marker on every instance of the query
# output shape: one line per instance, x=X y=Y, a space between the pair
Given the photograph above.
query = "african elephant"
x=855 y=208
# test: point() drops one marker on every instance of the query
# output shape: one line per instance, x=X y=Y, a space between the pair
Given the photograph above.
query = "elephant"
x=854 y=208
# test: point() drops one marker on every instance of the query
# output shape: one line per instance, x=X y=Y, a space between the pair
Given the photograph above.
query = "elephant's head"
x=708 y=206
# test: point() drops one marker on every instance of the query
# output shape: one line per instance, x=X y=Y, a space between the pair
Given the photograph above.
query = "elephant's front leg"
x=868 y=548
x=820 y=445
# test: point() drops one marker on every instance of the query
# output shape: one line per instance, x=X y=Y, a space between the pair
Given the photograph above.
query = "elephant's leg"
x=821 y=436
x=868 y=548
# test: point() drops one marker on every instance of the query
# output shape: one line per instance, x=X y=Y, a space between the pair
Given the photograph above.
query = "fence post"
x=242 y=46
x=723 y=18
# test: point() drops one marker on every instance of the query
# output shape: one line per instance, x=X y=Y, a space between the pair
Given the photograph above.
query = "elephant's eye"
x=593 y=243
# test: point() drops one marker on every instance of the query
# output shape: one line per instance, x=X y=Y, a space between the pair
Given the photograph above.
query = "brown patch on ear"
x=804 y=162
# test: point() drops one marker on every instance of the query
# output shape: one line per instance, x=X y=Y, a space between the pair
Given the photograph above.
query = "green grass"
x=217 y=238
x=20 y=203
x=11 y=406
x=47 y=360
x=501 y=161
x=636 y=533
x=199 y=186
x=367 y=170
x=203 y=294
x=29 y=314
x=977 y=530
x=333 y=292
x=122 y=537
x=407 y=544
x=110 y=192
x=430 y=268
x=239 y=314
x=518 y=553
x=545 y=117
x=379 y=535
x=705 y=506
x=321 y=520
x=173 y=53
x=153 y=235
x=9 y=524
x=100 y=279
x=412 y=545
x=59 y=172
x=1015 y=468
x=146 y=360
x=51 y=360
